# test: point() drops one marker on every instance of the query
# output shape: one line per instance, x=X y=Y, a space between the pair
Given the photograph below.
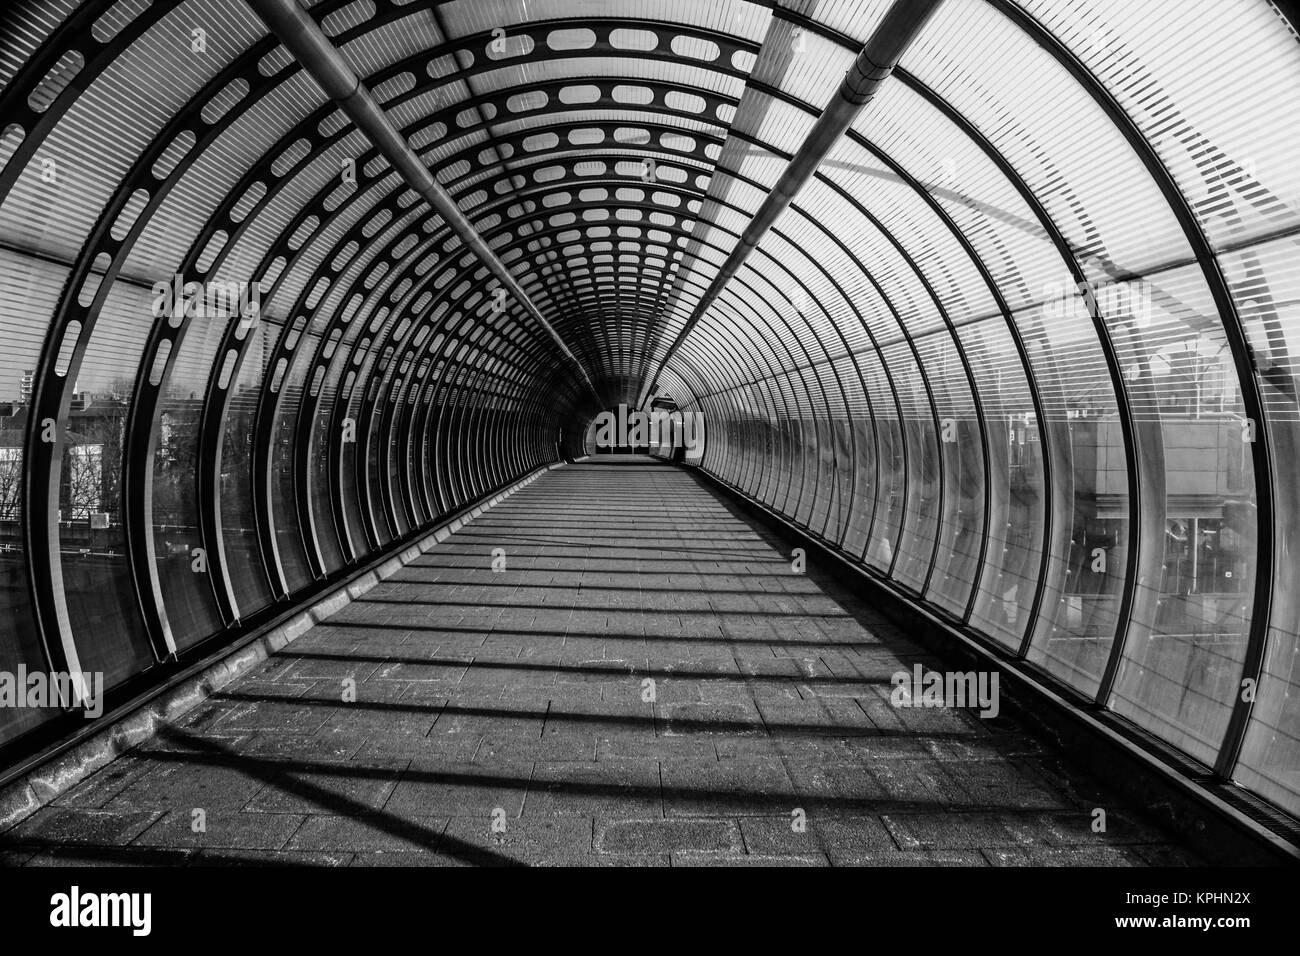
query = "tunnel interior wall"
x=1022 y=349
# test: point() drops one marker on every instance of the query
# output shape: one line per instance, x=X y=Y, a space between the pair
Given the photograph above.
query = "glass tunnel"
x=1021 y=350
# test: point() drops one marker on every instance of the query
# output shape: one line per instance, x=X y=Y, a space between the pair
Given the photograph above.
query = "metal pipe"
x=873 y=65
x=322 y=60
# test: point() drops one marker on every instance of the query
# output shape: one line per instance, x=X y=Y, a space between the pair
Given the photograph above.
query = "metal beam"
x=874 y=63
x=319 y=57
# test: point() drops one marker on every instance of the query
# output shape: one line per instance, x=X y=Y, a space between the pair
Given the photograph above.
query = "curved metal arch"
x=735 y=357
x=920 y=365
x=44 y=458
x=502 y=202
x=743 y=306
x=74 y=34
x=801 y=368
x=725 y=349
x=403 y=356
x=1243 y=363
x=492 y=380
x=1137 y=485
x=1051 y=442
x=147 y=397
x=587 y=242
x=779 y=400
x=218 y=402
x=271 y=392
x=887 y=299
x=1124 y=403
x=781 y=267
x=415 y=359
x=972 y=385
x=391 y=277
x=707 y=374
x=305 y=418
x=464 y=405
x=230 y=115
x=386 y=357
x=902 y=421
x=1123 y=400
x=848 y=352
x=1021 y=351
x=137 y=461
x=394 y=277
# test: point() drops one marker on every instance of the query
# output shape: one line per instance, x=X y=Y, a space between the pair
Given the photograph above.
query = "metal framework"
x=1023 y=350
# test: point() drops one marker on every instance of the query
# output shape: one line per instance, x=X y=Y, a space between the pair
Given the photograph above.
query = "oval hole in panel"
x=580 y=94
x=67 y=347
x=160 y=362
x=227 y=369
x=576 y=38
x=696 y=48
x=55 y=81
x=281 y=367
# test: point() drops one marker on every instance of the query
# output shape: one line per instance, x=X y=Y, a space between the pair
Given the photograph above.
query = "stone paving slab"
x=646 y=683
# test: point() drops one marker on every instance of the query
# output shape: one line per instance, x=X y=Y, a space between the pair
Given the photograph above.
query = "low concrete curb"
x=51 y=778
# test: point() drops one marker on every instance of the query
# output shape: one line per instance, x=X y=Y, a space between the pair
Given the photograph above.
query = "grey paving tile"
x=599 y=787
x=433 y=787
x=223 y=830
x=734 y=788
x=325 y=788
x=527 y=840
x=951 y=831
x=368 y=833
x=52 y=826
x=184 y=784
x=837 y=838
x=668 y=836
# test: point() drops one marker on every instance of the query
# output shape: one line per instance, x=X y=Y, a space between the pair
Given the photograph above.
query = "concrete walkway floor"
x=646 y=682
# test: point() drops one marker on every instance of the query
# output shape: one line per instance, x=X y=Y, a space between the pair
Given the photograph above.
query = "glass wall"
x=1061 y=321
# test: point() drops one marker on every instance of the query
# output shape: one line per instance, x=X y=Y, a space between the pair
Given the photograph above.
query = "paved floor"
x=646 y=681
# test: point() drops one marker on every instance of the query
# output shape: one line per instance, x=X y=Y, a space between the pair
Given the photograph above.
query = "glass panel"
x=97 y=582
x=243 y=553
x=187 y=596
x=1179 y=673
x=1265 y=281
x=27 y=287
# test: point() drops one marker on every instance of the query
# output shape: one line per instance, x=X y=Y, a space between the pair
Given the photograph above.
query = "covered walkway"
x=642 y=678
x=990 y=309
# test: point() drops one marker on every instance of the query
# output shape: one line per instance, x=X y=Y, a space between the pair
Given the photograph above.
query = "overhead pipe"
x=322 y=60
x=872 y=67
